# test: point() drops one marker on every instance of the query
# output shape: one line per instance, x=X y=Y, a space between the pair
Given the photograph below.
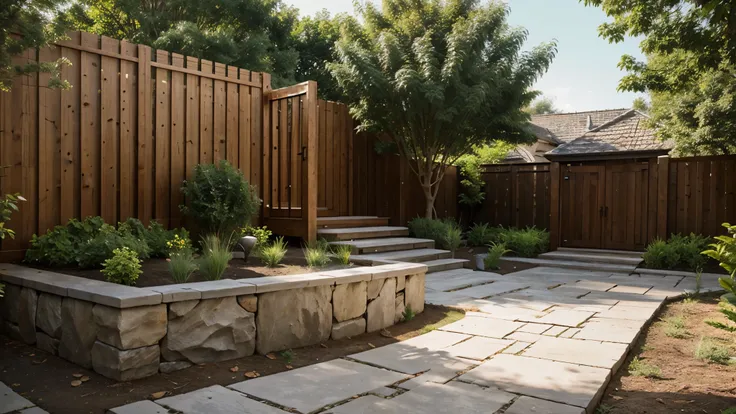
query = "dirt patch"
x=687 y=384
x=45 y=379
x=711 y=266
x=505 y=267
x=156 y=272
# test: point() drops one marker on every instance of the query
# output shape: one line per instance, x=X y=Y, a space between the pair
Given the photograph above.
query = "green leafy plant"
x=528 y=242
x=434 y=229
x=8 y=205
x=639 y=368
x=181 y=265
x=124 y=267
x=158 y=239
x=342 y=253
x=481 y=234
x=262 y=234
x=713 y=350
x=102 y=246
x=220 y=200
x=408 y=314
x=730 y=410
x=678 y=252
x=216 y=254
x=453 y=239
x=316 y=254
x=724 y=250
x=288 y=356
x=273 y=253
x=495 y=252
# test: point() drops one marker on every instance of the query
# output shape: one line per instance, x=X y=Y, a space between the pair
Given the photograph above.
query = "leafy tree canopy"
x=640 y=104
x=542 y=106
x=438 y=77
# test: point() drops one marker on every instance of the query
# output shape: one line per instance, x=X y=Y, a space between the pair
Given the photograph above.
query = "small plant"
x=262 y=234
x=182 y=265
x=215 y=257
x=179 y=244
x=408 y=314
x=342 y=253
x=483 y=235
x=713 y=350
x=674 y=327
x=288 y=356
x=493 y=259
x=528 y=242
x=640 y=368
x=453 y=239
x=724 y=250
x=433 y=229
x=124 y=267
x=316 y=254
x=678 y=252
x=8 y=205
x=272 y=254
x=604 y=409
x=730 y=410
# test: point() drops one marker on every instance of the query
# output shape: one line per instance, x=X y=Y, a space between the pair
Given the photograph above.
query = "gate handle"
x=303 y=153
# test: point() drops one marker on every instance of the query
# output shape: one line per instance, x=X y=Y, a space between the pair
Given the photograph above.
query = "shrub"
x=182 y=265
x=483 y=235
x=262 y=234
x=342 y=252
x=495 y=252
x=216 y=255
x=453 y=238
x=8 y=205
x=713 y=350
x=273 y=254
x=61 y=245
x=123 y=267
x=316 y=255
x=528 y=242
x=676 y=253
x=434 y=229
x=103 y=245
x=220 y=200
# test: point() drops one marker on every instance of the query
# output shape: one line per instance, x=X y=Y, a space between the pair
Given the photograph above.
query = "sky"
x=584 y=74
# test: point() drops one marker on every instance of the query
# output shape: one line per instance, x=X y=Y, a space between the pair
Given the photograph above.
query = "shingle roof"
x=627 y=132
x=567 y=127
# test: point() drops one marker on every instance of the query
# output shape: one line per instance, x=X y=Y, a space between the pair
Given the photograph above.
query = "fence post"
x=145 y=135
x=663 y=164
x=310 y=188
x=554 y=208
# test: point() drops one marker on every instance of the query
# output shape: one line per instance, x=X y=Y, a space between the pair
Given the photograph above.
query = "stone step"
x=417 y=255
x=390 y=244
x=591 y=258
x=352 y=233
x=440 y=265
x=341 y=222
x=568 y=264
x=629 y=253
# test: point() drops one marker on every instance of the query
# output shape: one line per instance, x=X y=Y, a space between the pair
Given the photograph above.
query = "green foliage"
x=528 y=242
x=30 y=20
x=495 y=252
x=216 y=256
x=220 y=199
x=481 y=234
x=124 y=267
x=435 y=229
x=181 y=265
x=679 y=252
x=471 y=181
x=730 y=410
x=640 y=368
x=160 y=241
x=8 y=205
x=317 y=255
x=408 y=314
x=724 y=250
x=262 y=234
x=438 y=78
x=288 y=356
x=713 y=350
x=640 y=104
x=342 y=253
x=273 y=254
x=453 y=238
x=542 y=106
x=674 y=327
x=103 y=245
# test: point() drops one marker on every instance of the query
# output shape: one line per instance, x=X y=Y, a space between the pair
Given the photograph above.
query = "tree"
x=438 y=78
x=542 y=106
x=640 y=104
x=690 y=70
x=471 y=195
x=251 y=34
x=26 y=24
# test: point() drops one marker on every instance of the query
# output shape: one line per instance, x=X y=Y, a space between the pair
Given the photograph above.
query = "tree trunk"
x=429 y=195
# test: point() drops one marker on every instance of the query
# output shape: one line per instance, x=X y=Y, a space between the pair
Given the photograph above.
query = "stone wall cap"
x=177 y=293
x=44 y=280
x=398 y=269
x=286 y=282
x=224 y=287
x=350 y=275
x=114 y=295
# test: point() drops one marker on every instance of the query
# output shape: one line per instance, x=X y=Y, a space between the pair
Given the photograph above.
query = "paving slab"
x=418 y=354
x=569 y=333
x=524 y=337
x=635 y=290
x=481 y=326
x=312 y=387
x=384 y=391
x=596 y=354
x=534 y=328
x=216 y=400
x=598 y=285
x=555 y=331
x=459 y=280
x=634 y=313
x=33 y=410
x=529 y=405
x=479 y=348
x=517 y=347
x=368 y=404
x=10 y=401
x=509 y=313
x=525 y=300
x=611 y=330
x=562 y=382
x=565 y=317
x=140 y=407
x=492 y=289
x=446 y=298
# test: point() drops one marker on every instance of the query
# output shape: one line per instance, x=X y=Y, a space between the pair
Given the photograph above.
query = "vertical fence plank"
x=220 y=115
x=244 y=128
x=146 y=160
x=178 y=124
x=309 y=183
x=231 y=130
x=192 y=118
x=110 y=124
x=322 y=196
x=70 y=130
x=49 y=151
x=266 y=125
x=295 y=161
x=128 y=130
x=259 y=116
x=206 y=123
x=282 y=161
x=163 y=140
x=90 y=128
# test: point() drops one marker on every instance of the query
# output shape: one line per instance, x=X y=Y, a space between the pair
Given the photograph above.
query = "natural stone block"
x=11 y=330
x=249 y=303
x=48 y=314
x=348 y=329
x=131 y=327
x=10 y=303
x=169 y=367
x=125 y=365
x=414 y=292
x=400 y=307
x=293 y=318
x=374 y=288
x=212 y=330
x=400 y=283
x=349 y=301
x=47 y=343
x=27 y=315
x=78 y=331
x=382 y=310
x=167 y=354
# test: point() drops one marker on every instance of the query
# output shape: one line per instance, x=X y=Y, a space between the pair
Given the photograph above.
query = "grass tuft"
x=342 y=253
x=640 y=368
x=272 y=254
x=713 y=350
x=674 y=327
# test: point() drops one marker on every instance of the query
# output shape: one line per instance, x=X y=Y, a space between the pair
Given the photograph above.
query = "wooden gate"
x=625 y=209
x=581 y=212
x=290 y=160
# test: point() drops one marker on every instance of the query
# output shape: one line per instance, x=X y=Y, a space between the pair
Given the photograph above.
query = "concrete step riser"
x=364 y=235
x=591 y=259
x=393 y=248
x=351 y=224
x=624 y=253
x=444 y=267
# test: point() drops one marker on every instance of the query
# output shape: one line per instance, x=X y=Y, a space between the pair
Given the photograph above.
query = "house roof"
x=561 y=128
x=626 y=132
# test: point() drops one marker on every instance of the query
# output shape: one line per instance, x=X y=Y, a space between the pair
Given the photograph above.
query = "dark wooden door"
x=582 y=198
x=625 y=210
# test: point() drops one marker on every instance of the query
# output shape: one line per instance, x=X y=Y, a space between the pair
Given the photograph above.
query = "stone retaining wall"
x=127 y=333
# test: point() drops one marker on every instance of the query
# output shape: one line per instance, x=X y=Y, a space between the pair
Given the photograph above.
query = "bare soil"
x=156 y=272
x=504 y=267
x=688 y=385
x=45 y=379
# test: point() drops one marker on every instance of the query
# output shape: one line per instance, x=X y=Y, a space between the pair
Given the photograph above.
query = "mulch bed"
x=688 y=385
x=45 y=379
x=504 y=267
